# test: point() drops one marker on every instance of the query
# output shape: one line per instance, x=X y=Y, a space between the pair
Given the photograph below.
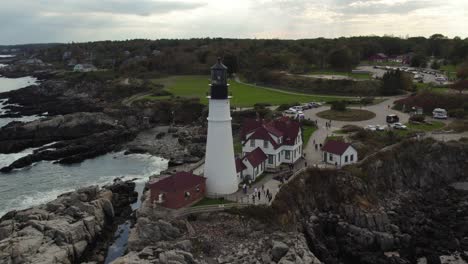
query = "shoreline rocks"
x=62 y=230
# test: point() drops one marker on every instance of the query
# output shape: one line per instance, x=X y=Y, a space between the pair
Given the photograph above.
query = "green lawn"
x=435 y=125
x=428 y=87
x=415 y=128
x=307 y=132
x=451 y=69
x=211 y=201
x=244 y=95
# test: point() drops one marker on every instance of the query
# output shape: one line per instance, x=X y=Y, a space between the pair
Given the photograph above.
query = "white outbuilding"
x=339 y=153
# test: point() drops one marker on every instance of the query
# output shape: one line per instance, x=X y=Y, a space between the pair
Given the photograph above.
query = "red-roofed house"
x=178 y=190
x=279 y=139
x=339 y=153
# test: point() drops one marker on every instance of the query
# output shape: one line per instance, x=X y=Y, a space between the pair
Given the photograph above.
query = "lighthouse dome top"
x=219 y=65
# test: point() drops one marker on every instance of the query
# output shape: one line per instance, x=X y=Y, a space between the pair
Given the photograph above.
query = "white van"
x=290 y=113
x=439 y=113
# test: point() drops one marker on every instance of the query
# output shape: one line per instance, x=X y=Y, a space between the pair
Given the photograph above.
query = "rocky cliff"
x=62 y=230
x=397 y=207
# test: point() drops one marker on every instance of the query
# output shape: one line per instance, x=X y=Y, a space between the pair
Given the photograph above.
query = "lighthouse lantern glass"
x=218 y=76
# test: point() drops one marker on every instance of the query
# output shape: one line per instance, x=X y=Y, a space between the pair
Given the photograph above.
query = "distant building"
x=339 y=153
x=84 y=68
x=34 y=61
x=279 y=139
x=178 y=190
x=66 y=55
x=378 y=58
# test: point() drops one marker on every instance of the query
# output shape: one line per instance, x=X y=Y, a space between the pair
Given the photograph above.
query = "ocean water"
x=44 y=181
x=9 y=84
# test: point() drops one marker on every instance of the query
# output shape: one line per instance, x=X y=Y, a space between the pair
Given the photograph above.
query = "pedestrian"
x=305 y=164
x=314 y=141
x=320 y=145
x=259 y=193
x=263 y=187
x=255 y=191
x=250 y=183
x=268 y=192
x=316 y=146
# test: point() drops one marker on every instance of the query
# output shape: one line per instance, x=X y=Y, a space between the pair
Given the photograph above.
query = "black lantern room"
x=219 y=85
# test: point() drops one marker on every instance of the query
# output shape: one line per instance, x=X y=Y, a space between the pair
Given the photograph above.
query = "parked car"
x=392 y=119
x=306 y=106
x=380 y=128
x=297 y=108
x=313 y=104
x=370 y=128
x=399 y=126
x=290 y=113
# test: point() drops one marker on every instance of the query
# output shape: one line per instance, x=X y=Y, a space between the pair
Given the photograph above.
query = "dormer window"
x=265 y=143
x=252 y=143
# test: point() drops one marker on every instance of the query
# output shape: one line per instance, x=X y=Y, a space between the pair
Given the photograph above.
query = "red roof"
x=262 y=133
x=240 y=166
x=336 y=147
x=256 y=157
x=177 y=182
x=281 y=127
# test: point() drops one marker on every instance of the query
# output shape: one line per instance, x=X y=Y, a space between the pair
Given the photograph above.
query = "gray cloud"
x=129 y=7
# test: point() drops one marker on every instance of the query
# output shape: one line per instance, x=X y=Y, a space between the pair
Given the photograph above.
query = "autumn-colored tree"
x=462 y=75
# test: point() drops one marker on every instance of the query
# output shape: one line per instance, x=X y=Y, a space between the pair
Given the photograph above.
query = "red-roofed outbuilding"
x=178 y=190
x=339 y=153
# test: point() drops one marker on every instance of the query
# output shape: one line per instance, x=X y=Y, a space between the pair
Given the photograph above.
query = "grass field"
x=415 y=128
x=244 y=95
x=307 y=132
x=427 y=87
x=451 y=69
x=348 y=115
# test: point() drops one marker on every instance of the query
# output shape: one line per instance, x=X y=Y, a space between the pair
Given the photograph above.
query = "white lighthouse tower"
x=220 y=168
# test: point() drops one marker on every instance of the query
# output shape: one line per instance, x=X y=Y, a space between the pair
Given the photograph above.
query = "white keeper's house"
x=339 y=153
x=280 y=140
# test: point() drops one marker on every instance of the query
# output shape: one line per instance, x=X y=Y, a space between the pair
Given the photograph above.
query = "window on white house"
x=287 y=154
x=351 y=158
x=330 y=157
x=252 y=142
x=265 y=143
x=279 y=156
x=346 y=158
x=270 y=159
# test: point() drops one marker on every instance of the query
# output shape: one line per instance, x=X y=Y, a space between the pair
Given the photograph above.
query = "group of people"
x=258 y=193
x=328 y=124
x=317 y=145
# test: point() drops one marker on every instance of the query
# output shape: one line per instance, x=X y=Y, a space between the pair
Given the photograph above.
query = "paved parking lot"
x=427 y=78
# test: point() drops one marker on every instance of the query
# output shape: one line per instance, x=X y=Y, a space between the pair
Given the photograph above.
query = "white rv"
x=439 y=113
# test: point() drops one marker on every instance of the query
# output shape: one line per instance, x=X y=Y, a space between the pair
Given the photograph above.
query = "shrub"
x=457 y=113
x=417 y=118
x=367 y=100
x=338 y=106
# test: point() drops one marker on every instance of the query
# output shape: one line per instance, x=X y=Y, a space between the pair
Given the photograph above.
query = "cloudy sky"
x=34 y=21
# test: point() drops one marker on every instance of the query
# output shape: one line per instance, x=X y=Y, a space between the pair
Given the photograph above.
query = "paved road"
x=381 y=110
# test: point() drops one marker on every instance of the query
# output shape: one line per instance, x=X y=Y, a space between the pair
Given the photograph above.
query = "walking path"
x=381 y=111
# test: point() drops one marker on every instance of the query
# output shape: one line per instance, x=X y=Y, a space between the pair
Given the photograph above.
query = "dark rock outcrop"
x=395 y=208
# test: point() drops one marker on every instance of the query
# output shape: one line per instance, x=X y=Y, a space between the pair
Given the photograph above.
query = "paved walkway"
x=268 y=183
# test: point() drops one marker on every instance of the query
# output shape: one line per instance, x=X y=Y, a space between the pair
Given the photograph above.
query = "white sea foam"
x=43 y=182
